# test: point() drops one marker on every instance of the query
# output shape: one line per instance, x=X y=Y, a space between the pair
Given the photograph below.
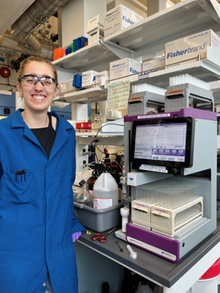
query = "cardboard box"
x=101 y=77
x=190 y=47
x=88 y=78
x=70 y=85
x=95 y=35
x=123 y=67
x=152 y=65
x=118 y=18
x=63 y=87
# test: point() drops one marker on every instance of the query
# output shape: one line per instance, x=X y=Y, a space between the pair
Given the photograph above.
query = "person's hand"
x=76 y=236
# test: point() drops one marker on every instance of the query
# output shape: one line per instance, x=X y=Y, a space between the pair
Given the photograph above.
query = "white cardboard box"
x=88 y=77
x=190 y=47
x=118 y=18
x=63 y=87
x=101 y=77
x=123 y=67
x=95 y=35
x=152 y=65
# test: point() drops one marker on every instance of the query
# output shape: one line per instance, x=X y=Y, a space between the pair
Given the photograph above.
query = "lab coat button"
x=44 y=284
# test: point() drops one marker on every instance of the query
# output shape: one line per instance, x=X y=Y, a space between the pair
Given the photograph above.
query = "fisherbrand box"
x=88 y=77
x=153 y=64
x=124 y=67
x=118 y=18
x=190 y=47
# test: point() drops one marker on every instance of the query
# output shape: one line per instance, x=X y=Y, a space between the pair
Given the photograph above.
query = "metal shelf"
x=87 y=96
x=101 y=134
x=145 y=37
x=86 y=57
x=191 y=16
x=207 y=70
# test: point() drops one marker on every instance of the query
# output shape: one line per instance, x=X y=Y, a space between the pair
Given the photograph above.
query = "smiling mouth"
x=39 y=98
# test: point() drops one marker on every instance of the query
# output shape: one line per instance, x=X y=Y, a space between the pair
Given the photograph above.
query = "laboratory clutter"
x=84 y=195
x=95 y=174
x=105 y=191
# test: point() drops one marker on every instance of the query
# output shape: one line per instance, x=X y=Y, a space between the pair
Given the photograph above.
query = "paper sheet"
x=118 y=94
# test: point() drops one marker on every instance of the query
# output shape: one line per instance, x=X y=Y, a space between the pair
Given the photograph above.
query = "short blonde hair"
x=37 y=59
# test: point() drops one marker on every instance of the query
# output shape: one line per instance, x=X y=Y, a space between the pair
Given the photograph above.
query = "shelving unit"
x=86 y=96
x=145 y=38
x=207 y=70
x=86 y=57
x=153 y=32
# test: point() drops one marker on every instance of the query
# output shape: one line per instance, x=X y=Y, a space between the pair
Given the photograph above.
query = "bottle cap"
x=82 y=182
x=105 y=169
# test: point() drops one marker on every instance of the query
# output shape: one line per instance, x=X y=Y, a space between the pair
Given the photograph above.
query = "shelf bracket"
x=120 y=51
x=212 y=7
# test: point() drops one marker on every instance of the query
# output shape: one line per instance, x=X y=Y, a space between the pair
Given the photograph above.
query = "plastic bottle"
x=144 y=288
x=105 y=287
x=105 y=191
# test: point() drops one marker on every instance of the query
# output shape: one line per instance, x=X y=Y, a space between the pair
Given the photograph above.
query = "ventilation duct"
x=35 y=15
x=19 y=37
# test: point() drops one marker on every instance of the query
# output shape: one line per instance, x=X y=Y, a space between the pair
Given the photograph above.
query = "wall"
x=134 y=5
x=8 y=84
x=75 y=16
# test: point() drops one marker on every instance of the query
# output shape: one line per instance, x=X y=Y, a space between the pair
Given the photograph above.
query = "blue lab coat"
x=36 y=209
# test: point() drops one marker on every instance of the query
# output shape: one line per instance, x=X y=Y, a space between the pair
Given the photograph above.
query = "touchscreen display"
x=163 y=142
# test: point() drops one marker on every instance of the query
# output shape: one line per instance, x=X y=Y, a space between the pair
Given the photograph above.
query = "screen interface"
x=162 y=142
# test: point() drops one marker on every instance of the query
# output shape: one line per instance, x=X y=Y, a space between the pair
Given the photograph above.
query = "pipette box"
x=124 y=67
x=101 y=77
x=88 y=77
x=118 y=18
x=152 y=65
x=98 y=220
x=190 y=47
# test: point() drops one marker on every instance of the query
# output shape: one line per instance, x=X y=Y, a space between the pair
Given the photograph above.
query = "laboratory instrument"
x=170 y=163
x=145 y=102
x=187 y=91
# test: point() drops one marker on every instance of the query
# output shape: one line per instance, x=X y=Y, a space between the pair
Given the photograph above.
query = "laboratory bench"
x=173 y=277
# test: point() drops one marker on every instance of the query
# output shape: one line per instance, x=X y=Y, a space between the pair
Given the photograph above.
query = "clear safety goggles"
x=31 y=80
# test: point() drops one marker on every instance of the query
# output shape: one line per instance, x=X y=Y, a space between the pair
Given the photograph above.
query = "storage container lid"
x=212 y=272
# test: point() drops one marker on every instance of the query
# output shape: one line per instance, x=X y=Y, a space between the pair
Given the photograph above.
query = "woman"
x=37 y=170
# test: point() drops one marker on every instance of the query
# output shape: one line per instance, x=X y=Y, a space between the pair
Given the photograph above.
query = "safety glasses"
x=31 y=80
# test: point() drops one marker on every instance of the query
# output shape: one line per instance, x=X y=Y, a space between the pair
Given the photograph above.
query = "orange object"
x=85 y=44
x=58 y=53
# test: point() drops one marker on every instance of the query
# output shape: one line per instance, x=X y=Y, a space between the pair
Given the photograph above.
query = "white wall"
x=134 y=5
x=75 y=16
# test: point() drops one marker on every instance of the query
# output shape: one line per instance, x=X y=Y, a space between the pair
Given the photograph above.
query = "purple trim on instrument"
x=158 y=241
x=186 y=112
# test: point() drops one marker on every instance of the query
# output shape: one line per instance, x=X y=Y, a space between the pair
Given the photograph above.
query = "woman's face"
x=37 y=97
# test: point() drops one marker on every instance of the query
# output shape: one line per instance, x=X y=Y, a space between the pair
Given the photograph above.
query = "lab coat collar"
x=17 y=120
x=61 y=130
